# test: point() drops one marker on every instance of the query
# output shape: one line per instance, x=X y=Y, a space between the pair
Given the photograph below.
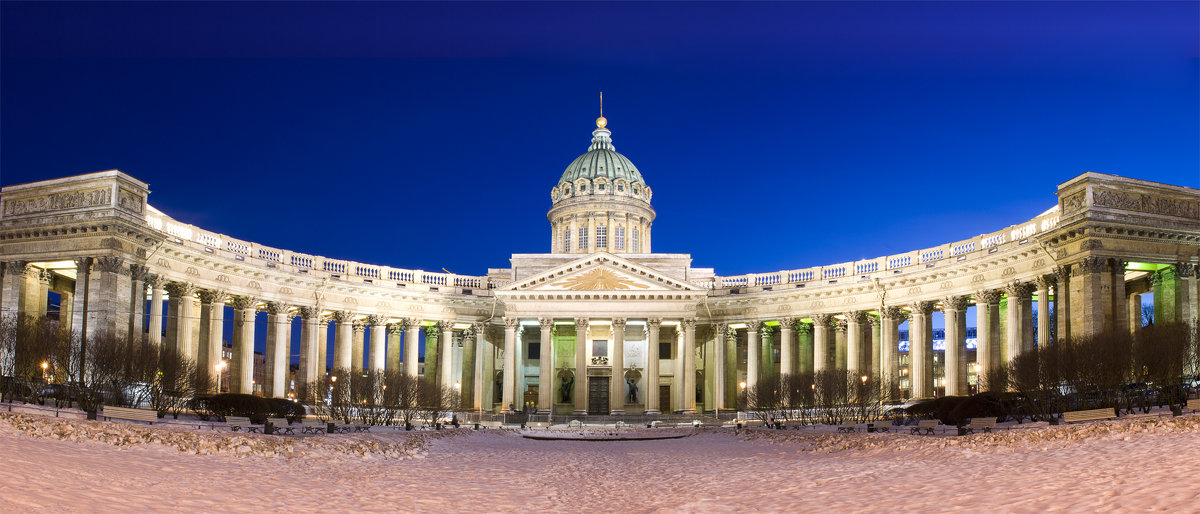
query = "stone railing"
x=911 y=261
x=224 y=246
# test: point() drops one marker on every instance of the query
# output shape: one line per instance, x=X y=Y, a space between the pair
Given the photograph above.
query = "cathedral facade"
x=600 y=324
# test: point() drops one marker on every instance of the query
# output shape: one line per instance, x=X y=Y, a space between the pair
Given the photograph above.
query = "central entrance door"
x=598 y=395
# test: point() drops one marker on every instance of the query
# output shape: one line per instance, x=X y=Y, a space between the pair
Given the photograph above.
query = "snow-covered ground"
x=1133 y=464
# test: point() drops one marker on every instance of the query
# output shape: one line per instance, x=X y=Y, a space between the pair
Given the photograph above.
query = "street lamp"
x=44 y=366
x=220 y=367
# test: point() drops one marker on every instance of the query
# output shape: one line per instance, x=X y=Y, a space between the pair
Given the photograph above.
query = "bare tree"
x=438 y=401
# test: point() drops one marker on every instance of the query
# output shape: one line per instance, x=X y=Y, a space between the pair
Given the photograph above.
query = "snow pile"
x=391 y=446
x=1031 y=436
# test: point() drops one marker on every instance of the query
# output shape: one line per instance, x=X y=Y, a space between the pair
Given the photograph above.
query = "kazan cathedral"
x=600 y=324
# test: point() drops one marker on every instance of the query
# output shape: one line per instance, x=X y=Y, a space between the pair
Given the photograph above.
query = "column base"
x=617 y=412
x=578 y=412
x=653 y=411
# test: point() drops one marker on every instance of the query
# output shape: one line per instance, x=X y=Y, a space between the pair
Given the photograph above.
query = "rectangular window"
x=634 y=242
x=602 y=237
x=620 y=237
x=664 y=350
x=599 y=348
x=535 y=351
x=583 y=238
x=566 y=244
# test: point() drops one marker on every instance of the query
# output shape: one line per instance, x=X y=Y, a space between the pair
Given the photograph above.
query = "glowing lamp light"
x=742 y=384
x=864 y=379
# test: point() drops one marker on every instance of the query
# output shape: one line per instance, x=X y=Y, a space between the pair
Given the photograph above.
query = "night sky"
x=428 y=135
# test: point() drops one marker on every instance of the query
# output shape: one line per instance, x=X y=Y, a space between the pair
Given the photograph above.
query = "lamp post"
x=44 y=366
x=220 y=367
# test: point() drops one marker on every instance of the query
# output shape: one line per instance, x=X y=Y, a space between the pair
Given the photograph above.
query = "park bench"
x=314 y=426
x=538 y=424
x=280 y=425
x=1088 y=415
x=925 y=425
x=881 y=426
x=1193 y=405
x=237 y=423
x=145 y=415
x=985 y=424
x=362 y=427
x=847 y=426
x=341 y=427
x=491 y=424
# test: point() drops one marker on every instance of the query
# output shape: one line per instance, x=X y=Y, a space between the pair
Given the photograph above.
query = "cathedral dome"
x=601 y=171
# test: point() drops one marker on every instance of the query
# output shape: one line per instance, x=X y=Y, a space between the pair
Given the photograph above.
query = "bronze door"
x=598 y=395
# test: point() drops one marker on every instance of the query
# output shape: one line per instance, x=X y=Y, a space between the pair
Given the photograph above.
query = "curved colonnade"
x=606 y=332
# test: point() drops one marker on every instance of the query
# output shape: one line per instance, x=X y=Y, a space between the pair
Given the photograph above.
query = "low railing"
x=274 y=257
x=919 y=259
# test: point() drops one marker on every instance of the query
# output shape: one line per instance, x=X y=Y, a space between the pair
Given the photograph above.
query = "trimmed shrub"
x=984 y=405
x=285 y=408
x=229 y=404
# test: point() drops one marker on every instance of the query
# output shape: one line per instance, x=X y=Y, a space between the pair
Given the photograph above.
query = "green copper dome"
x=602 y=161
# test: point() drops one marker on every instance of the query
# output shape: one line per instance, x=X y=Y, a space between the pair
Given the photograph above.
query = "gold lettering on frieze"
x=58 y=202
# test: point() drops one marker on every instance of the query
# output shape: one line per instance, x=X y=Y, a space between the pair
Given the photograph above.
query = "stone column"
x=752 y=353
x=446 y=359
x=110 y=291
x=876 y=345
x=920 y=349
x=1135 y=313
x=323 y=347
x=839 y=344
x=14 y=276
x=787 y=358
x=804 y=345
x=212 y=330
x=987 y=324
x=137 y=306
x=719 y=380
x=357 y=346
x=546 y=366
x=617 y=383
x=83 y=270
x=1120 y=318
x=689 y=366
x=276 y=373
x=180 y=309
x=581 y=326
x=481 y=348
x=1090 y=305
x=652 y=327
x=1062 y=303
x=1020 y=318
x=412 y=335
x=309 y=318
x=1044 y=283
x=157 y=286
x=395 y=333
x=855 y=326
x=343 y=354
x=889 y=364
x=241 y=369
x=377 y=355
x=821 y=324
x=510 y=363
x=955 y=309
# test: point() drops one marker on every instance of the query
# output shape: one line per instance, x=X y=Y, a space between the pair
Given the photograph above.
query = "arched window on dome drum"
x=635 y=241
x=620 y=237
x=601 y=237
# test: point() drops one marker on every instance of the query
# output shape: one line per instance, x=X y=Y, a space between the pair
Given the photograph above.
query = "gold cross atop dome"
x=601 y=122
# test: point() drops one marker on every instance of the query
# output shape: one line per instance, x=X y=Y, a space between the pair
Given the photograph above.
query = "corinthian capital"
x=308 y=312
x=209 y=296
x=895 y=313
x=754 y=326
x=243 y=302
x=180 y=289
x=375 y=320
x=822 y=320
x=988 y=297
x=859 y=317
x=274 y=308
x=110 y=264
x=511 y=323
x=955 y=303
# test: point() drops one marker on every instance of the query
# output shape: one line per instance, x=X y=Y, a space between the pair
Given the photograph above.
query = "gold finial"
x=601 y=122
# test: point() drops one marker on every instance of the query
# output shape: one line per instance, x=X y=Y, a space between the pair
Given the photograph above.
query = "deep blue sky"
x=775 y=135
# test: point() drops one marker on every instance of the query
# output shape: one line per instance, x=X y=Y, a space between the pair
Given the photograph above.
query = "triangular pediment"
x=602 y=272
